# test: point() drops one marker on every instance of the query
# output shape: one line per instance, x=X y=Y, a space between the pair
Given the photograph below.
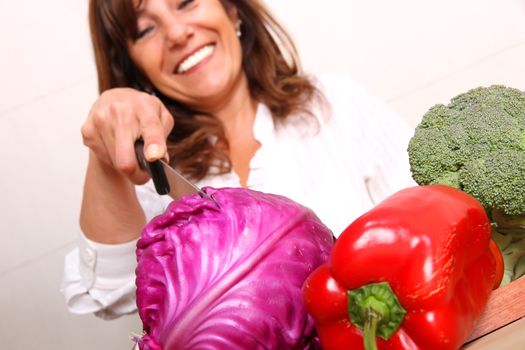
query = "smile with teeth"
x=196 y=58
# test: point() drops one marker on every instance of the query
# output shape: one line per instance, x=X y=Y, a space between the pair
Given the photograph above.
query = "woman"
x=219 y=80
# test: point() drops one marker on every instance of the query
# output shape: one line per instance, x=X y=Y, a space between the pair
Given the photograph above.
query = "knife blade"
x=168 y=180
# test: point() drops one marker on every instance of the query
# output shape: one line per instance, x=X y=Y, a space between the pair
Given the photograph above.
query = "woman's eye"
x=143 y=32
x=184 y=3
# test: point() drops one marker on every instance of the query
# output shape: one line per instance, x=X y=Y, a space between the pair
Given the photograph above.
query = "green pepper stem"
x=370 y=330
x=375 y=309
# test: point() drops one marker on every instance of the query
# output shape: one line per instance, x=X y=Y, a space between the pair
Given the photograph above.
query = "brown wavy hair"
x=270 y=62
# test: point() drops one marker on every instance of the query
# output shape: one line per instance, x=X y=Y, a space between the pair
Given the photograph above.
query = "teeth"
x=195 y=59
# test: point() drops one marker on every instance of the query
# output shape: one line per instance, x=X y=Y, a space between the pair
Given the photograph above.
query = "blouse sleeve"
x=100 y=278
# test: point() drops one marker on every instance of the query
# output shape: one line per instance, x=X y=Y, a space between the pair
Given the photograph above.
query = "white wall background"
x=410 y=53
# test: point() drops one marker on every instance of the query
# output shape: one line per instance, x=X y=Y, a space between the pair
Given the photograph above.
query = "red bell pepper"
x=415 y=272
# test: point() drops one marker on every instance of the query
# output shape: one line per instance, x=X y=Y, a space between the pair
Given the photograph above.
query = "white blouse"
x=340 y=168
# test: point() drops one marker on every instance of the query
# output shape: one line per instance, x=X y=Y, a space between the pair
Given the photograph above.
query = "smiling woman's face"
x=189 y=50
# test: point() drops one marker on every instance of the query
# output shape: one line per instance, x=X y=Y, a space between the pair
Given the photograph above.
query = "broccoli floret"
x=476 y=144
x=510 y=100
x=506 y=171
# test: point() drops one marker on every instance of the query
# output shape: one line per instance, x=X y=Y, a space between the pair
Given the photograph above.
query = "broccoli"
x=477 y=143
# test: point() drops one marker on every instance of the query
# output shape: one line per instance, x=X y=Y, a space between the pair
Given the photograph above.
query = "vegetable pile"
x=415 y=272
x=229 y=278
x=477 y=144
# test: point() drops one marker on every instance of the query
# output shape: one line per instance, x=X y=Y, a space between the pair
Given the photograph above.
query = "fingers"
x=125 y=158
x=155 y=125
x=92 y=139
x=167 y=120
x=117 y=120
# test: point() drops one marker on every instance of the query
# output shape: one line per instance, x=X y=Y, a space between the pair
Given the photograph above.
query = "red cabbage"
x=229 y=278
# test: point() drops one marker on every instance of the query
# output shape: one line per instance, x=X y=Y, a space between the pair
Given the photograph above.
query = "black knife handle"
x=154 y=168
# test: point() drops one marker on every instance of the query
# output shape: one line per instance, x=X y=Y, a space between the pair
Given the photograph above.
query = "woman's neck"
x=237 y=115
x=237 y=111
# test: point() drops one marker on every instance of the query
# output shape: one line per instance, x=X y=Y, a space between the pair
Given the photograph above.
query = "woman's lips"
x=194 y=59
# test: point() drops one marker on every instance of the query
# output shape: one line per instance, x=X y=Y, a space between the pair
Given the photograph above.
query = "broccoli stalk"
x=508 y=231
x=477 y=144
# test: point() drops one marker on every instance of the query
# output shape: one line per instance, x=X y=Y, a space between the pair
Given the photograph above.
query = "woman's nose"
x=177 y=31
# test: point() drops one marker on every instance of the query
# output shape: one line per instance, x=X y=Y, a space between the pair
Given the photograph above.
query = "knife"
x=166 y=179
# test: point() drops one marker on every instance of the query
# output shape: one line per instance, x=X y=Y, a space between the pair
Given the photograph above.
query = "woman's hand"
x=110 y=210
x=117 y=119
